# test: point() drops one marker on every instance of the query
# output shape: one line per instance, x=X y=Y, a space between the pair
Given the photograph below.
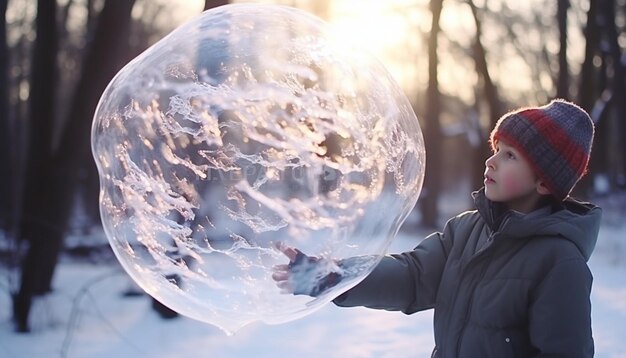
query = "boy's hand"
x=304 y=275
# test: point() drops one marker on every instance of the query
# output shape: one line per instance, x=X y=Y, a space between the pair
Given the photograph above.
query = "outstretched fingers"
x=280 y=273
x=289 y=251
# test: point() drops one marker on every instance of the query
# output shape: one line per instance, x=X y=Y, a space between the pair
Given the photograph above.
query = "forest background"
x=462 y=63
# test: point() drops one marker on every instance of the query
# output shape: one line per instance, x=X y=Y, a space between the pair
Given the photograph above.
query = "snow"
x=88 y=315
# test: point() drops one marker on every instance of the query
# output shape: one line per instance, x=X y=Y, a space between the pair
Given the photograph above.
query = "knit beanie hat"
x=555 y=139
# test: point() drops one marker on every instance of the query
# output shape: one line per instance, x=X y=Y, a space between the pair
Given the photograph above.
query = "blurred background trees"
x=463 y=63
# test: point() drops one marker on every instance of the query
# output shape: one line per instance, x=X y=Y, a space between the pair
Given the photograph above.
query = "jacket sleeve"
x=406 y=282
x=560 y=313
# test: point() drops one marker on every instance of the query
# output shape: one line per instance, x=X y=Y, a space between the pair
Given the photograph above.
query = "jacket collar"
x=493 y=213
x=573 y=220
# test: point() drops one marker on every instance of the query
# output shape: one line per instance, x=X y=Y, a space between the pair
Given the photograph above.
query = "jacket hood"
x=573 y=220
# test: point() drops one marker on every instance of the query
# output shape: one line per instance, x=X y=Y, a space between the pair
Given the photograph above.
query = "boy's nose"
x=489 y=163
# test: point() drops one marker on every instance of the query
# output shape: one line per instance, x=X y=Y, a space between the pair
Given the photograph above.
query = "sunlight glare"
x=388 y=30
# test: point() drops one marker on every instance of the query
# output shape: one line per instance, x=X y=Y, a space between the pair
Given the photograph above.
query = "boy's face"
x=510 y=179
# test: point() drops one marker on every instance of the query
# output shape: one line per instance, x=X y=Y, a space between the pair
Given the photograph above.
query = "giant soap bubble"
x=248 y=126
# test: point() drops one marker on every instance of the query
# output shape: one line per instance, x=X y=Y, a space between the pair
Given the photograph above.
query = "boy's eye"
x=510 y=155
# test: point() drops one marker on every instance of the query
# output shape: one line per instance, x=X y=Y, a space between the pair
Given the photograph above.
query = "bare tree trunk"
x=562 y=85
x=209 y=4
x=587 y=93
x=491 y=95
x=102 y=60
x=92 y=16
x=432 y=132
x=105 y=56
x=68 y=51
x=602 y=93
x=618 y=89
x=6 y=145
x=65 y=14
x=20 y=61
x=36 y=224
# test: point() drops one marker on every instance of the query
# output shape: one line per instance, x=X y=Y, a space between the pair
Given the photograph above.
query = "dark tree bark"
x=209 y=4
x=34 y=221
x=618 y=81
x=92 y=16
x=432 y=131
x=587 y=93
x=6 y=144
x=602 y=92
x=54 y=201
x=491 y=96
x=562 y=85
x=65 y=14
x=104 y=57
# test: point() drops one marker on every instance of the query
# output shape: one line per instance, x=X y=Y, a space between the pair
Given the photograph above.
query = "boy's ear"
x=541 y=188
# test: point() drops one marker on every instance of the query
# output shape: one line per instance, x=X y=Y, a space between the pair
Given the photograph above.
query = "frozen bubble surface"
x=247 y=126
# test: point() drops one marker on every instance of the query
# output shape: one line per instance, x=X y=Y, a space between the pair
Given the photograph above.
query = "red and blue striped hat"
x=555 y=139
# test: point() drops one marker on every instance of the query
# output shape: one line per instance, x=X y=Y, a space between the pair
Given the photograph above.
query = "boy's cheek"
x=510 y=184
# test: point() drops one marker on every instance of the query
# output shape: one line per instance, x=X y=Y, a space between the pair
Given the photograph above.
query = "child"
x=509 y=279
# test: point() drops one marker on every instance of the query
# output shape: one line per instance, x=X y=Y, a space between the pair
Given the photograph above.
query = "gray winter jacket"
x=506 y=285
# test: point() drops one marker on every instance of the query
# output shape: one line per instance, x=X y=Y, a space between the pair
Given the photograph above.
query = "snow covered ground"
x=88 y=316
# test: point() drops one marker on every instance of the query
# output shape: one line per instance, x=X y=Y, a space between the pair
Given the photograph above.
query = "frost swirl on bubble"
x=246 y=127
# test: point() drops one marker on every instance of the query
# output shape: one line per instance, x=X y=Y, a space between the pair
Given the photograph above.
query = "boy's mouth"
x=488 y=180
